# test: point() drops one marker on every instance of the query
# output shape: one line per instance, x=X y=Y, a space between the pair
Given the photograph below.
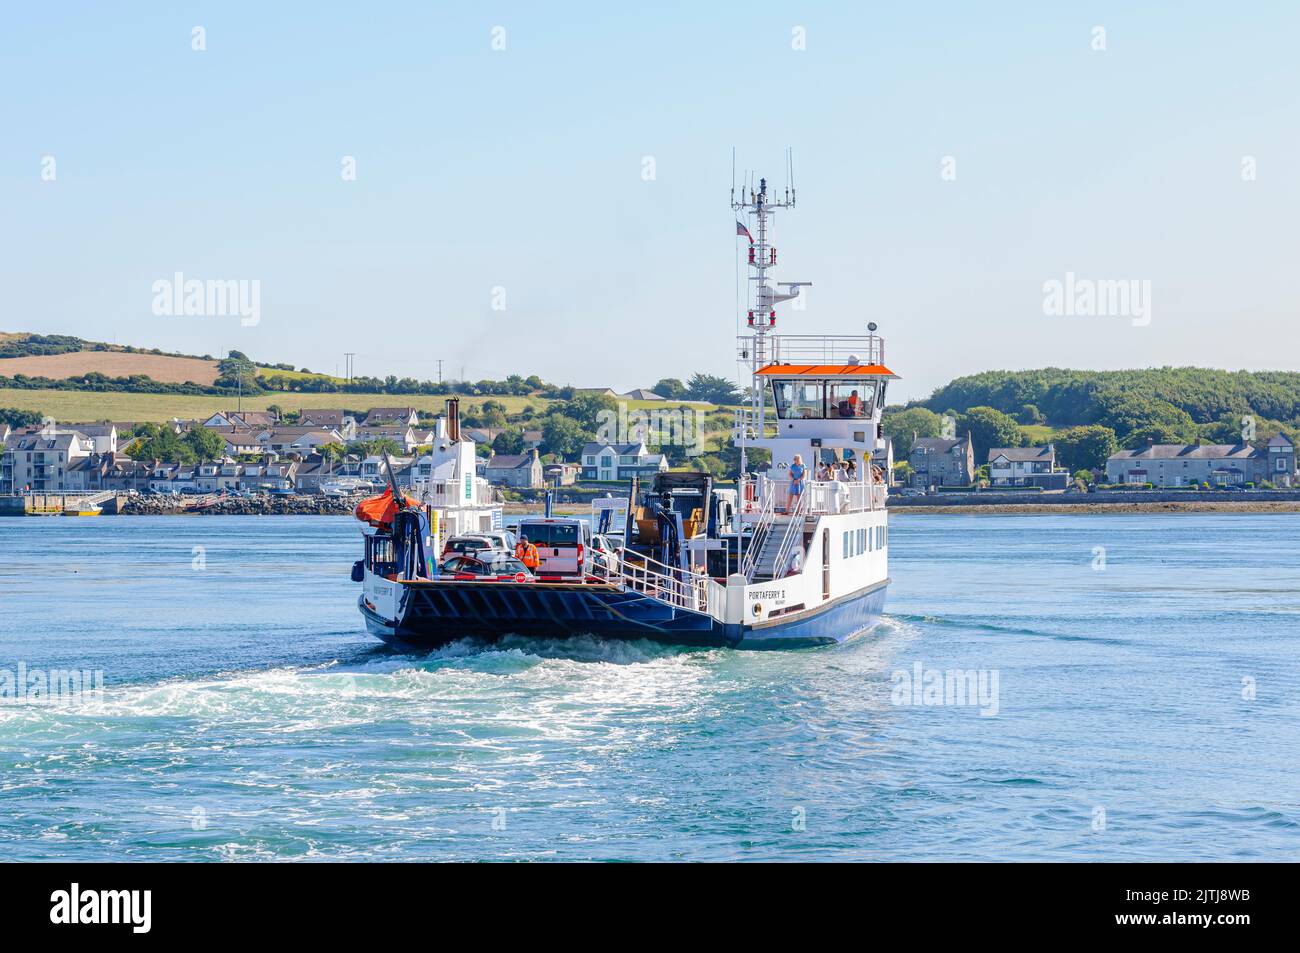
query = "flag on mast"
x=742 y=230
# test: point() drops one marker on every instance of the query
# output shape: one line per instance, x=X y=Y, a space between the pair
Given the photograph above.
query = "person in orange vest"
x=527 y=553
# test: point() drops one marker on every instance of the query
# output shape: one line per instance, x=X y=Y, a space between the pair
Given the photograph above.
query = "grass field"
x=85 y=406
x=1038 y=434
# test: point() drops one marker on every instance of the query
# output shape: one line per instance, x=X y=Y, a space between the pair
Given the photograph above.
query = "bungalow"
x=238 y=440
x=941 y=461
x=1026 y=466
x=620 y=461
x=510 y=469
x=1185 y=464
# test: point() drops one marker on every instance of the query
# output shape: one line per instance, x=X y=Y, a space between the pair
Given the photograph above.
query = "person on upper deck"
x=797 y=472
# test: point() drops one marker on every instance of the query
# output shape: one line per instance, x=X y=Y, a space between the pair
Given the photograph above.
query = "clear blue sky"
x=523 y=169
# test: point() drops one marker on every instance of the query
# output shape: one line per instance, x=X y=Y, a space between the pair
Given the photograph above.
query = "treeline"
x=1064 y=397
x=38 y=345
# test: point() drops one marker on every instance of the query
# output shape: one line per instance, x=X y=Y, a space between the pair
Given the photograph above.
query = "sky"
x=543 y=188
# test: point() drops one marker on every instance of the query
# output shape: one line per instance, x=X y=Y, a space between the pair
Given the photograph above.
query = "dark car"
x=487 y=566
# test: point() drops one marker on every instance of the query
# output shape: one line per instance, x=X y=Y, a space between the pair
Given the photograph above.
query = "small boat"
x=794 y=554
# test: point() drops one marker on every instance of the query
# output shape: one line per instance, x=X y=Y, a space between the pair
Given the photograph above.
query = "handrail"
x=787 y=540
x=766 y=517
x=683 y=588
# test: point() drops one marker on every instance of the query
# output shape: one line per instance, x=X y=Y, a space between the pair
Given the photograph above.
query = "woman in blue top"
x=797 y=473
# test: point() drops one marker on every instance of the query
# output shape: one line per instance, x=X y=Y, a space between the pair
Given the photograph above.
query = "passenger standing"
x=797 y=473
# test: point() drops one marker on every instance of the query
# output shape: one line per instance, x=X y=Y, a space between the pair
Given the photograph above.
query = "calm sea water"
x=1146 y=708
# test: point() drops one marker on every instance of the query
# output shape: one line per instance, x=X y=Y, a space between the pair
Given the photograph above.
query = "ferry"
x=795 y=553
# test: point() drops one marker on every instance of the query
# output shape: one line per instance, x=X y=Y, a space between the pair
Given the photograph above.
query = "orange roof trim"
x=826 y=370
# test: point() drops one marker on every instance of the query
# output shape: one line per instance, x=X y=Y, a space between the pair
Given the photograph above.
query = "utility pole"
x=439 y=370
x=349 y=355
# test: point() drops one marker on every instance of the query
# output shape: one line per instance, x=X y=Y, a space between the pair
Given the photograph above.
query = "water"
x=247 y=716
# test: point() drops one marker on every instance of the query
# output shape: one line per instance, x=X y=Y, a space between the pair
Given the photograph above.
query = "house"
x=596 y=391
x=404 y=435
x=1179 y=464
x=942 y=461
x=315 y=470
x=373 y=469
x=883 y=457
x=1026 y=466
x=103 y=436
x=238 y=439
x=1282 y=461
x=391 y=416
x=642 y=394
x=561 y=474
x=610 y=462
x=532 y=439
x=39 y=461
x=339 y=420
x=514 y=469
x=483 y=435
x=297 y=439
x=269 y=474
x=248 y=419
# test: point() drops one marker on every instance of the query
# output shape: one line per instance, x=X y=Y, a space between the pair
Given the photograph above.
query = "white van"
x=564 y=545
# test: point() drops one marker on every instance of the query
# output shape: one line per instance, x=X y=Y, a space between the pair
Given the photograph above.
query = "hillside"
x=160 y=367
x=1066 y=397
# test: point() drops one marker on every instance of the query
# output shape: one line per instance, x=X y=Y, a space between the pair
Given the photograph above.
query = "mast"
x=759 y=207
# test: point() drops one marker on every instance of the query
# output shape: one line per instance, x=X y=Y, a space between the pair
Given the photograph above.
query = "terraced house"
x=1218 y=464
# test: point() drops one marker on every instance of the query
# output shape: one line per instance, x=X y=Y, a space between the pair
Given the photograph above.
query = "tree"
x=563 y=435
x=206 y=444
x=899 y=426
x=714 y=390
x=509 y=442
x=376 y=446
x=670 y=388
x=990 y=428
x=19 y=418
x=903 y=472
x=160 y=442
x=1085 y=448
x=1029 y=415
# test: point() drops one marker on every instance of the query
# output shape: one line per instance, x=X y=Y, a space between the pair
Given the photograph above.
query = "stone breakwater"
x=238 y=506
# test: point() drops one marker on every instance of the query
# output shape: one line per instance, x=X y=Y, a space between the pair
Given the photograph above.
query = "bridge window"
x=799 y=400
x=850 y=399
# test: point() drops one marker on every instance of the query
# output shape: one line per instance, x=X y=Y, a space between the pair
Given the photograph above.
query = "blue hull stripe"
x=441 y=612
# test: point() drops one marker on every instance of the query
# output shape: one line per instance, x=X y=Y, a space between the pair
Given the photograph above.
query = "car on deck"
x=487 y=567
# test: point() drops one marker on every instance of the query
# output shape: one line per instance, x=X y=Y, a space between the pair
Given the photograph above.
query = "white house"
x=609 y=462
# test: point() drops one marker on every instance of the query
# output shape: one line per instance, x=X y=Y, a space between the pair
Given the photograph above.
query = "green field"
x=72 y=406
x=1038 y=434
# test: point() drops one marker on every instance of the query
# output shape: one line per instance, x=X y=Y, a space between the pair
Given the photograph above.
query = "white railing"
x=678 y=587
x=824 y=496
x=817 y=348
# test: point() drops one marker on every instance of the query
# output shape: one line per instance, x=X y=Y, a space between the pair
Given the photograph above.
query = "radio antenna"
x=733 y=174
